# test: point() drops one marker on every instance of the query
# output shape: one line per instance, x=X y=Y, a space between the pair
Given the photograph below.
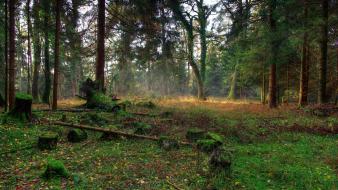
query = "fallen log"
x=66 y=110
x=120 y=133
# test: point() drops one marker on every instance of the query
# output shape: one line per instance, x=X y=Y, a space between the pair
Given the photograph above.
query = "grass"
x=269 y=150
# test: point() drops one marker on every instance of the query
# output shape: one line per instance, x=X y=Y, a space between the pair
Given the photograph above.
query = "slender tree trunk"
x=6 y=55
x=263 y=95
x=46 y=94
x=29 y=49
x=57 y=53
x=37 y=50
x=11 y=73
x=336 y=99
x=323 y=60
x=100 y=45
x=232 y=92
x=202 y=20
x=304 y=72
x=274 y=46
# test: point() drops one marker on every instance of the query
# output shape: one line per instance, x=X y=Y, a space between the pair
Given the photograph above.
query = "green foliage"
x=207 y=145
x=142 y=128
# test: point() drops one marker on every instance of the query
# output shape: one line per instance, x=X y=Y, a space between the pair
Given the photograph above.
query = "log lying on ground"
x=111 y=131
x=23 y=107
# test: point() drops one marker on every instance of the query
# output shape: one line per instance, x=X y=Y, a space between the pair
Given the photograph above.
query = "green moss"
x=47 y=141
x=207 y=145
x=55 y=168
x=77 y=135
x=216 y=137
x=23 y=96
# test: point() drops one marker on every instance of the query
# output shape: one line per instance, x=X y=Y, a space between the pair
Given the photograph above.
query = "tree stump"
x=207 y=145
x=194 y=134
x=142 y=128
x=220 y=160
x=23 y=107
x=77 y=135
x=48 y=141
x=2 y=101
x=168 y=144
x=55 y=168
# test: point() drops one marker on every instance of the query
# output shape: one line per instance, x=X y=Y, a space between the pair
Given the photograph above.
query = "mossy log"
x=23 y=107
x=119 y=133
x=77 y=135
x=47 y=141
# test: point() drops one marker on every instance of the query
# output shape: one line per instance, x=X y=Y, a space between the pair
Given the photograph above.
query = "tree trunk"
x=274 y=45
x=46 y=94
x=57 y=53
x=304 y=72
x=232 y=92
x=323 y=60
x=202 y=20
x=11 y=73
x=29 y=49
x=37 y=50
x=100 y=45
x=23 y=107
x=6 y=55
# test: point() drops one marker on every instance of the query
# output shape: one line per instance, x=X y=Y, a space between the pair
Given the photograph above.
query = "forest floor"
x=285 y=148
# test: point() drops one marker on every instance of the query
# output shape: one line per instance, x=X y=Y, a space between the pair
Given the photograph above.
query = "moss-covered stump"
x=220 y=160
x=55 y=168
x=195 y=134
x=168 y=144
x=23 y=107
x=142 y=128
x=207 y=145
x=215 y=136
x=77 y=135
x=47 y=141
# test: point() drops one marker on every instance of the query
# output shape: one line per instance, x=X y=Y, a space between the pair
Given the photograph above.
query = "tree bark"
x=57 y=53
x=304 y=73
x=202 y=20
x=100 y=45
x=6 y=55
x=11 y=73
x=46 y=94
x=37 y=50
x=323 y=59
x=29 y=49
x=274 y=46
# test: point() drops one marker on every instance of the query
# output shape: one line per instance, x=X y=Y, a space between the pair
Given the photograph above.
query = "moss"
x=23 y=96
x=215 y=136
x=55 y=168
x=146 y=104
x=207 y=145
x=194 y=134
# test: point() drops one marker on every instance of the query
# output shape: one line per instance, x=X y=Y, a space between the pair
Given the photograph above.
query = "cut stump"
x=23 y=107
x=48 y=141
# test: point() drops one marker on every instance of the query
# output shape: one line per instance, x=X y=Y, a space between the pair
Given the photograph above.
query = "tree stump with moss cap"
x=47 y=141
x=195 y=134
x=23 y=107
x=77 y=135
x=55 y=168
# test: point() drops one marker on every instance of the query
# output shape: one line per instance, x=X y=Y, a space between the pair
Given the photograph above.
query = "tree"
x=37 y=49
x=29 y=47
x=323 y=56
x=57 y=53
x=188 y=26
x=11 y=73
x=100 y=45
x=304 y=70
x=273 y=58
x=6 y=55
x=46 y=94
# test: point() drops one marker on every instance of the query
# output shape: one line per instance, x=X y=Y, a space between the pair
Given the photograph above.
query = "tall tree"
x=57 y=53
x=29 y=47
x=100 y=45
x=323 y=59
x=46 y=93
x=11 y=73
x=202 y=20
x=37 y=49
x=6 y=55
x=304 y=69
x=273 y=58
x=175 y=5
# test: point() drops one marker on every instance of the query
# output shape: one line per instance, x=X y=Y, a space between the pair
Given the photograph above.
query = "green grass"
x=262 y=157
